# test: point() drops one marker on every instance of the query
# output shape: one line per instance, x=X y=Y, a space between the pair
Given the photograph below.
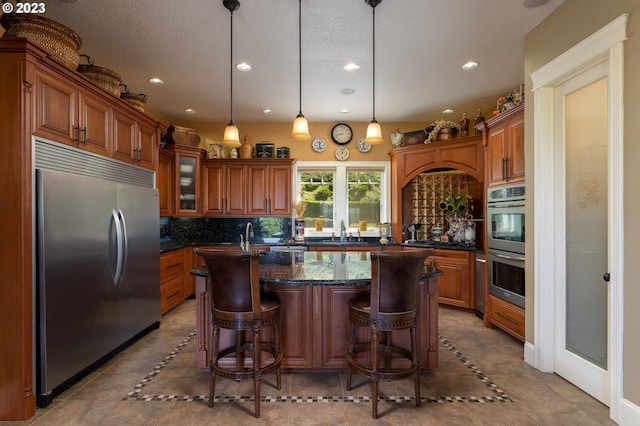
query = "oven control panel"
x=506 y=193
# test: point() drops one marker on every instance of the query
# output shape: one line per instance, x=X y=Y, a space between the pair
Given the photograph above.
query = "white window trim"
x=340 y=183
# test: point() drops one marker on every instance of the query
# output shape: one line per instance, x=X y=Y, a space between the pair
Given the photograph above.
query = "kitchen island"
x=314 y=289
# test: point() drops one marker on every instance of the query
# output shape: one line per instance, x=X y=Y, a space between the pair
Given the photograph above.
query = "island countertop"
x=314 y=289
x=320 y=268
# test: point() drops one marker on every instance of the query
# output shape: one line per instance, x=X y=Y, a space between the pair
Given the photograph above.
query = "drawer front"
x=507 y=316
x=171 y=263
x=171 y=293
x=463 y=256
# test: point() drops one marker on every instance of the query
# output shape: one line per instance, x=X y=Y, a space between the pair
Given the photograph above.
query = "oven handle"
x=504 y=256
x=501 y=206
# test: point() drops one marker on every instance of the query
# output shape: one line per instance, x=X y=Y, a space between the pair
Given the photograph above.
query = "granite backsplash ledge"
x=228 y=230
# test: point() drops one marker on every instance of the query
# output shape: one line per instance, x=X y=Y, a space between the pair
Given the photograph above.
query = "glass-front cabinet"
x=187 y=172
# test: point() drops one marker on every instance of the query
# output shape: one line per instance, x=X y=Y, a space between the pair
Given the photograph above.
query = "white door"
x=577 y=216
x=581 y=219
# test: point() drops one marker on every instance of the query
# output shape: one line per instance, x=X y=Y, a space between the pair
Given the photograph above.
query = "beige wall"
x=280 y=135
x=572 y=22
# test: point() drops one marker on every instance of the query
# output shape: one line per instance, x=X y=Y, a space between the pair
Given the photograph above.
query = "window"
x=356 y=194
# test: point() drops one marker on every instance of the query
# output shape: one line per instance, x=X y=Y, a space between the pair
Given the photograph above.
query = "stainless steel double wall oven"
x=506 y=241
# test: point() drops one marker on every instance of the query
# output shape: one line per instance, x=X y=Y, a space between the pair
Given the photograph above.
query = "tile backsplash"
x=210 y=230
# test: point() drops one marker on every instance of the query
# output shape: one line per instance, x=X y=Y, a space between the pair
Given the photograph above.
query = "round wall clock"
x=318 y=145
x=342 y=153
x=341 y=133
x=363 y=147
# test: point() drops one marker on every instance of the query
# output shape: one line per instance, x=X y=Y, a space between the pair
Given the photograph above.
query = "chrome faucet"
x=248 y=232
x=343 y=230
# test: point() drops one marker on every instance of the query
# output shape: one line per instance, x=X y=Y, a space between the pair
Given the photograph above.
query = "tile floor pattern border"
x=136 y=394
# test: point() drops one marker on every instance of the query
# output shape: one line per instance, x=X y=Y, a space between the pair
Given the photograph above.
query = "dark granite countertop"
x=167 y=245
x=439 y=245
x=320 y=268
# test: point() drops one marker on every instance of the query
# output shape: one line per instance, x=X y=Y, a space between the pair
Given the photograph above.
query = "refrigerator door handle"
x=119 y=242
x=125 y=245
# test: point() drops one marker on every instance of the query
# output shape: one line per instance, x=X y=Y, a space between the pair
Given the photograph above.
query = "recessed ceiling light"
x=447 y=111
x=344 y=111
x=470 y=65
x=351 y=67
x=242 y=66
x=267 y=111
x=347 y=91
x=190 y=111
x=156 y=81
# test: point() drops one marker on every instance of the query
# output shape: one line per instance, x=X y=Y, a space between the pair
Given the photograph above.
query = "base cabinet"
x=176 y=281
x=456 y=285
x=506 y=316
x=314 y=324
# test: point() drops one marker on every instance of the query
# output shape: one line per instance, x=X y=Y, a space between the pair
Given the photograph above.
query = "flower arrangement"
x=456 y=203
x=435 y=128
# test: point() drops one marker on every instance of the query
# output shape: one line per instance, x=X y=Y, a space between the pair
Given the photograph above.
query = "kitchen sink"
x=344 y=243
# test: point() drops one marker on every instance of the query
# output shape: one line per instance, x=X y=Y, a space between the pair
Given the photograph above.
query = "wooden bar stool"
x=236 y=304
x=390 y=306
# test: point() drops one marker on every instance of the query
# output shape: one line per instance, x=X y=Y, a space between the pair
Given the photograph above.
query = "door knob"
x=606 y=277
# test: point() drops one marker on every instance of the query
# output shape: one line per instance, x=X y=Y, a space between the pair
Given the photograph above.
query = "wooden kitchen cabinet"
x=224 y=186
x=504 y=140
x=247 y=188
x=269 y=189
x=506 y=316
x=456 y=283
x=70 y=114
x=176 y=281
x=172 y=279
x=186 y=171
x=166 y=182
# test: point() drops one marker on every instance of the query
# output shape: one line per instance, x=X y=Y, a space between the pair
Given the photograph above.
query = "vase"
x=298 y=230
x=246 y=150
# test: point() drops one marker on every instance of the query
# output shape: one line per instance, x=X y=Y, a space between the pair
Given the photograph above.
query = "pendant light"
x=300 y=126
x=374 y=132
x=231 y=136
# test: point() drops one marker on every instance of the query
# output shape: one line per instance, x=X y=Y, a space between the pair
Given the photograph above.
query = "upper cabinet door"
x=95 y=124
x=280 y=190
x=236 y=193
x=56 y=109
x=505 y=147
x=145 y=154
x=258 y=192
x=124 y=136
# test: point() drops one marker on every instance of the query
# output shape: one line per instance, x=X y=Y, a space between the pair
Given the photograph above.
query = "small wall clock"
x=341 y=133
x=342 y=153
x=318 y=145
x=363 y=147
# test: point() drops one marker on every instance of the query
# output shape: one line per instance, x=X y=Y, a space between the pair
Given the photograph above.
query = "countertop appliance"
x=97 y=251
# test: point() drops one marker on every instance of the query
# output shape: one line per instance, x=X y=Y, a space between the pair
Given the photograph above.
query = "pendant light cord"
x=300 y=53
x=231 y=73
x=374 y=63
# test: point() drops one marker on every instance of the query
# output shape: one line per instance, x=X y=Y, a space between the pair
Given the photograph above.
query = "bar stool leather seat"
x=390 y=306
x=238 y=305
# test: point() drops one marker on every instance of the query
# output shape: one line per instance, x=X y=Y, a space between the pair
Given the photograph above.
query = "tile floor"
x=482 y=379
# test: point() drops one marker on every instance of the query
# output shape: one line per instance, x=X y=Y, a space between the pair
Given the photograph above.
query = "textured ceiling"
x=420 y=48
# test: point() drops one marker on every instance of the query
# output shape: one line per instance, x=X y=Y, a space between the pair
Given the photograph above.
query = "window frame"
x=341 y=196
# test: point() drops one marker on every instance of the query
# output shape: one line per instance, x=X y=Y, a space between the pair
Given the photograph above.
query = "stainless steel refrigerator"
x=97 y=278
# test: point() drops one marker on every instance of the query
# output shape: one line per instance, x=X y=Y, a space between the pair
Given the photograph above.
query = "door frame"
x=604 y=46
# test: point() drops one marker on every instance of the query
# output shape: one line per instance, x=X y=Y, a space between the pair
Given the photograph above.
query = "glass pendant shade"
x=300 y=129
x=231 y=136
x=374 y=134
